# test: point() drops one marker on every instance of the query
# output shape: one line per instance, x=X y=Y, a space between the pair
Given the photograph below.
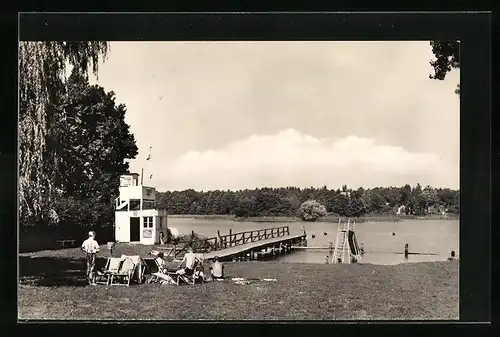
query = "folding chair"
x=113 y=265
x=191 y=279
x=160 y=274
x=186 y=279
x=124 y=274
x=165 y=278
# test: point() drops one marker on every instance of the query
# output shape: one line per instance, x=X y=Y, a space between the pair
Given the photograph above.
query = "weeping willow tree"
x=42 y=78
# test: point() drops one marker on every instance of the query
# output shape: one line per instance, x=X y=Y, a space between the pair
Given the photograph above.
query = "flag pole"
x=142 y=176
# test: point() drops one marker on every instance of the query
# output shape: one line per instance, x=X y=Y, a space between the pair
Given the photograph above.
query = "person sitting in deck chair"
x=160 y=262
x=190 y=261
x=199 y=274
x=217 y=269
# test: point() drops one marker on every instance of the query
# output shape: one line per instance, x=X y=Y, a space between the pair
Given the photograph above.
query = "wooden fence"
x=233 y=239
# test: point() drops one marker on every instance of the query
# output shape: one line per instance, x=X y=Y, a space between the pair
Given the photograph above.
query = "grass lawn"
x=52 y=287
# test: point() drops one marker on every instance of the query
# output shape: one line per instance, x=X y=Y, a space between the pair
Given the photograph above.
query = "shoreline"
x=328 y=218
x=143 y=251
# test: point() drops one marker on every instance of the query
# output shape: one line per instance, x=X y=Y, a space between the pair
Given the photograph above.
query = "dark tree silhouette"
x=447 y=55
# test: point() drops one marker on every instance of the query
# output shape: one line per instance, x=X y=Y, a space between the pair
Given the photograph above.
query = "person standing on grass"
x=91 y=248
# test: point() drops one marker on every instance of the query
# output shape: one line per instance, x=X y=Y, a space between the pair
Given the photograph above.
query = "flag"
x=148 y=156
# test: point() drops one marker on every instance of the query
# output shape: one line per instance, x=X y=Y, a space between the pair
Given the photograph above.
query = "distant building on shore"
x=401 y=210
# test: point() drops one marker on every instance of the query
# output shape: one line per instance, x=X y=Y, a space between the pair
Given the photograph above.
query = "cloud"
x=291 y=158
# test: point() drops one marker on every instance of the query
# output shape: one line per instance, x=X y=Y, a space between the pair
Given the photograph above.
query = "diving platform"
x=346 y=248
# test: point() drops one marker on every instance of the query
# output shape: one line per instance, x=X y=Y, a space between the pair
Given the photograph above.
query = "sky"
x=236 y=115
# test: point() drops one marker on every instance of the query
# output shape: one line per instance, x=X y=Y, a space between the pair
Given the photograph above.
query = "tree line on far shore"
x=287 y=201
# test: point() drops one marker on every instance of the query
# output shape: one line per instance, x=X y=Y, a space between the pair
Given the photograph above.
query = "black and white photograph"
x=239 y=180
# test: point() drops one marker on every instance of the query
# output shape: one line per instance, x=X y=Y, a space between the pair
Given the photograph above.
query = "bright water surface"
x=381 y=247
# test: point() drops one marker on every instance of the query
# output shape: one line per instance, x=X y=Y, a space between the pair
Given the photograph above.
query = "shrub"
x=310 y=210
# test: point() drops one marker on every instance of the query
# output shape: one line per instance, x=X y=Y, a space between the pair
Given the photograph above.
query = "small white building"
x=136 y=217
x=401 y=210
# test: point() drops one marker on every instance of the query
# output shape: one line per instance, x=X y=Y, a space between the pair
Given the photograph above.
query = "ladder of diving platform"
x=342 y=251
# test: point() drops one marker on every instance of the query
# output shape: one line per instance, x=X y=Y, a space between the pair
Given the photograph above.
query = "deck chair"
x=151 y=266
x=186 y=279
x=165 y=278
x=124 y=274
x=160 y=274
x=112 y=266
x=191 y=279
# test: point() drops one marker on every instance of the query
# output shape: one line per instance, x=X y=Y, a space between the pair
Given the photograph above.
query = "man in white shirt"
x=217 y=269
x=91 y=248
x=190 y=260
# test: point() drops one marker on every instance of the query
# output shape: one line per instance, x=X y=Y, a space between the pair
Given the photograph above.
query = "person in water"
x=452 y=256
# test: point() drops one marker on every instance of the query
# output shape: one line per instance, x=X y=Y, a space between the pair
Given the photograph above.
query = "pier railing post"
x=230 y=237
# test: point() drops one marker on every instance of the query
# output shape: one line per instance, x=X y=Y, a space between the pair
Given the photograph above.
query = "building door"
x=135 y=229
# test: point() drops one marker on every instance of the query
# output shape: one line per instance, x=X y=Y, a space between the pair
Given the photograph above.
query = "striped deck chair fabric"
x=112 y=266
x=124 y=274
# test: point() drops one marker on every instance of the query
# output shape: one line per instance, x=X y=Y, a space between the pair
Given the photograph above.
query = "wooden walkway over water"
x=242 y=244
x=253 y=247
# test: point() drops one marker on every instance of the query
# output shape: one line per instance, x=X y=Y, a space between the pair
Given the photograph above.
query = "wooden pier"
x=245 y=244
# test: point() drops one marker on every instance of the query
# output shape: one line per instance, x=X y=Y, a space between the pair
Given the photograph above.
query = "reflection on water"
x=381 y=247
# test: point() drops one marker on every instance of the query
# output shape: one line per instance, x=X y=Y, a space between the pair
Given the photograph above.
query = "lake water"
x=381 y=247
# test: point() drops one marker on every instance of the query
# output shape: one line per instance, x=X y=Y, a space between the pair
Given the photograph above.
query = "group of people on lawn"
x=192 y=264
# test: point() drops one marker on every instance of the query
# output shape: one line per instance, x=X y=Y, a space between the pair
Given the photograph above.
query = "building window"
x=121 y=205
x=147 y=222
x=148 y=204
x=134 y=204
